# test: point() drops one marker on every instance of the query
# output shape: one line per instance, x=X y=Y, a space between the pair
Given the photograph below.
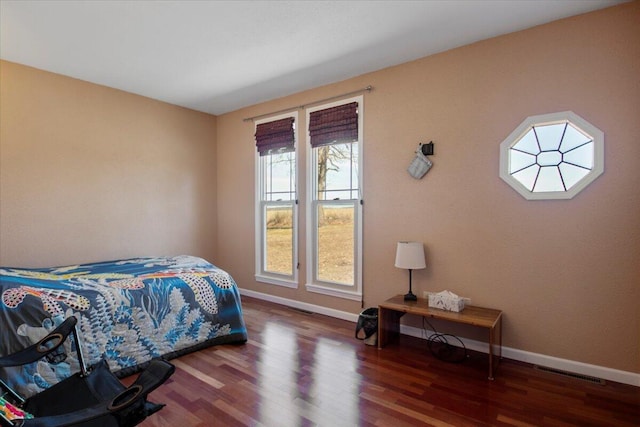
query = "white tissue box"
x=446 y=300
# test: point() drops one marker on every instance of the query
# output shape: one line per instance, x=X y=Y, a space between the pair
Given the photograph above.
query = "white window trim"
x=325 y=288
x=260 y=274
x=548 y=119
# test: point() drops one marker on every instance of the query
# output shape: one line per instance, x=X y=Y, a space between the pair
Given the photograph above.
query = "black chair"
x=93 y=397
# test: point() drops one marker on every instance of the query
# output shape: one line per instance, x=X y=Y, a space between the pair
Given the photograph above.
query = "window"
x=334 y=208
x=276 y=201
x=552 y=156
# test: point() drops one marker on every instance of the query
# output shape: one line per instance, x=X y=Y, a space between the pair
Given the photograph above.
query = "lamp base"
x=410 y=297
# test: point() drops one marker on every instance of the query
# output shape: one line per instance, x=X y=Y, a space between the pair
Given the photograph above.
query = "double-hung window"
x=276 y=200
x=334 y=201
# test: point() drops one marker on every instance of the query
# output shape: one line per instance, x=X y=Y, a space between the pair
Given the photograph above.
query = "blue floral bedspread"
x=129 y=311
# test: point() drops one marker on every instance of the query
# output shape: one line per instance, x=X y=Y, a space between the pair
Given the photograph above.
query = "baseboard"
x=301 y=305
x=605 y=373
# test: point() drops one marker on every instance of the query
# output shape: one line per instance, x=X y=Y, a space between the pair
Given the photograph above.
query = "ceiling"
x=219 y=56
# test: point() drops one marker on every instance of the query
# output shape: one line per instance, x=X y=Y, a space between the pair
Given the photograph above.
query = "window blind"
x=276 y=135
x=334 y=125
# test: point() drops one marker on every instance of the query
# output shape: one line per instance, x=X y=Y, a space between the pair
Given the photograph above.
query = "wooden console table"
x=390 y=311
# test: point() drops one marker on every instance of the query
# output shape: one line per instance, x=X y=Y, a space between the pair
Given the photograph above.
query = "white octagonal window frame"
x=552 y=156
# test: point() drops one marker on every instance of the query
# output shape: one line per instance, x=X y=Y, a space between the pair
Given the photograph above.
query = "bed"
x=129 y=312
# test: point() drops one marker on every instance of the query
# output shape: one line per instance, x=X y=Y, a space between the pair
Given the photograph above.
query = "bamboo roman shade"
x=276 y=135
x=334 y=125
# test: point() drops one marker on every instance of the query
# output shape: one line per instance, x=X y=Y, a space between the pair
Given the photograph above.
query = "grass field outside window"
x=335 y=239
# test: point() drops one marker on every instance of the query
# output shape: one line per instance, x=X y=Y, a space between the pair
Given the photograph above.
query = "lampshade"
x=410 y=255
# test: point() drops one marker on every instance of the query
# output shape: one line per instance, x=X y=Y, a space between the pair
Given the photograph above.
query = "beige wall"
x=565 y=272
x=90 y=173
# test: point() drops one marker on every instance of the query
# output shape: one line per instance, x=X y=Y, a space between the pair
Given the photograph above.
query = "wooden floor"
x=303 y=369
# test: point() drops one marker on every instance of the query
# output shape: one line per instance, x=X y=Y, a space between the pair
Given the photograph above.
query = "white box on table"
x=446 y=300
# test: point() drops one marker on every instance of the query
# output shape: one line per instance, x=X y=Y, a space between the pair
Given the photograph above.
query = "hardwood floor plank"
x=423 y=416
x=197 y=374
x=511 y=422
x=242 y=417
x=300 y=369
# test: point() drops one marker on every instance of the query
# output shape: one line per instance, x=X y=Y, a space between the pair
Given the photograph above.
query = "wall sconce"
x=421 y=163
x=427 y=149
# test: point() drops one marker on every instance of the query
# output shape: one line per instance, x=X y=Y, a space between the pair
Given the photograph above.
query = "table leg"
x=388 y=326
x=499 y=325
x=491 y=333
x=492 y=342
x=382 y=330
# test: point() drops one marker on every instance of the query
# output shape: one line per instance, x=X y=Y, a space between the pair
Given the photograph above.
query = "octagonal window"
x=552 y=156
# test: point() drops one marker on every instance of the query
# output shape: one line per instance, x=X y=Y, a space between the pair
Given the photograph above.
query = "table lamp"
x=410 y=255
